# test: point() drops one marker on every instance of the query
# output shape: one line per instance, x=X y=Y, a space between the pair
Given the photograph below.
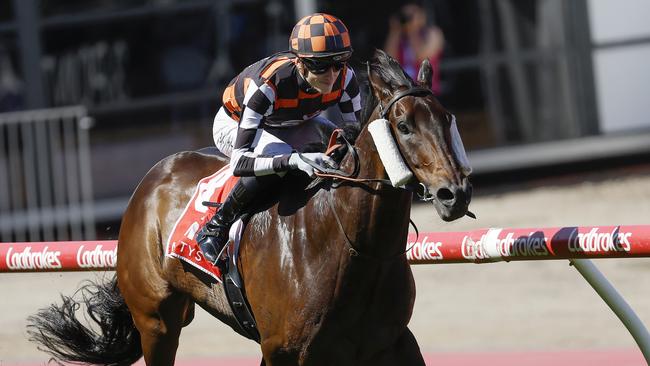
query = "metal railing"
x=45 y=175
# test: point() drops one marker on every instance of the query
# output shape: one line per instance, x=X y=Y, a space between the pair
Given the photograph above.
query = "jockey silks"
x=292 y=98
x=272 y=92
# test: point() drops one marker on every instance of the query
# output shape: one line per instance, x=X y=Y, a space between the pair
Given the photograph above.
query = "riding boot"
x=214 y=235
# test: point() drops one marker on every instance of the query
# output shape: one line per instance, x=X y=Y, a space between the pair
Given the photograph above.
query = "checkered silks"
x=319 y=34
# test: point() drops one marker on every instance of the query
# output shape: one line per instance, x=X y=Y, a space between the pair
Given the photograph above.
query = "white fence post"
x=615 y=302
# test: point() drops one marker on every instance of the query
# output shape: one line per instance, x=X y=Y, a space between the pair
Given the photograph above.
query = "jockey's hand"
x=295 y=162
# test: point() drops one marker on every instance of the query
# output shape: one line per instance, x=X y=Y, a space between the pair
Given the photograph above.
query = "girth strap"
x=239 y=305
x=236 y=294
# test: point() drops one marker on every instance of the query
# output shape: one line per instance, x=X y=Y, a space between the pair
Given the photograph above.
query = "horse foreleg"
x=408 y=351
x=275 y=354
x=404 y=352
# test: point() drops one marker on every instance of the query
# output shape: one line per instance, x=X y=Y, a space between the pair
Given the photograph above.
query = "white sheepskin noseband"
x=397 y=170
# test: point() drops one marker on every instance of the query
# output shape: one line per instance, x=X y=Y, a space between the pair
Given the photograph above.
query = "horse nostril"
x=445 y=195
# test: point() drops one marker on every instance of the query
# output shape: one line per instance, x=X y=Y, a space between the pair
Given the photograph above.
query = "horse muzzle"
x=452 y=201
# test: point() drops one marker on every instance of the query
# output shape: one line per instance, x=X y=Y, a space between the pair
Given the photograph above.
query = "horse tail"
x=111 y=340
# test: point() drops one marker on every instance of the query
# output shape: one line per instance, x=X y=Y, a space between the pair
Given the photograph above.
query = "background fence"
x=45 y=181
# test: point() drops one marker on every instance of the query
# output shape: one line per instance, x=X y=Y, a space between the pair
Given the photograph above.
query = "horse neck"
x=375 y=216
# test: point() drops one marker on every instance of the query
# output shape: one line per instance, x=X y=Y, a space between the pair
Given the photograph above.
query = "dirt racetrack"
x=521 y=306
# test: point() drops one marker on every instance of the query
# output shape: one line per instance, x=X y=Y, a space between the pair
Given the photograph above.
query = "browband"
x=417 y=91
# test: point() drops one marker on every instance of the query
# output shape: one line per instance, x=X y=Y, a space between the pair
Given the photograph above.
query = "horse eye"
x=403 y=128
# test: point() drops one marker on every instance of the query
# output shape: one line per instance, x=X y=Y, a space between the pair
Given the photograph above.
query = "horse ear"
x=425 y=75
x=379 y=87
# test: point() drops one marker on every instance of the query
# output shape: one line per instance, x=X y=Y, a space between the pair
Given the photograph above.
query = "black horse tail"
x=111 y=340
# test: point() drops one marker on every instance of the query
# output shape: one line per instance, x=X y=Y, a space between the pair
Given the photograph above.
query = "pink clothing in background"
x=406 y=57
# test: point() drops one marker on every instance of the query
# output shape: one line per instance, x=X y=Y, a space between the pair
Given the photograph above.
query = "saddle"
x=181 y=244
x=228 y=272
x=233 y=285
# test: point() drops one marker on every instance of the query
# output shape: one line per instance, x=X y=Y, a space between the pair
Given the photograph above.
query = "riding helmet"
x=321 y=35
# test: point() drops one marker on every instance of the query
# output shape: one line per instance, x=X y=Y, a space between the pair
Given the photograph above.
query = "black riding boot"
x=214 y=235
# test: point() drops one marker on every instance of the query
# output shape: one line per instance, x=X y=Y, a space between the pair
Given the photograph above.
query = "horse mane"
x=388 y=70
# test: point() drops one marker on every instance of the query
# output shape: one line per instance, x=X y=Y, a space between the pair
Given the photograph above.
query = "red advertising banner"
x=58 y=256
x=477 y=246
x=497 y=244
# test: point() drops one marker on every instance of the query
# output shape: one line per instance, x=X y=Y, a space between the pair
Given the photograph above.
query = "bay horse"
x=324 y=269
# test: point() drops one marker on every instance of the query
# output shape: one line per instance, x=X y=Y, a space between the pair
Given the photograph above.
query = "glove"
x=295 y=162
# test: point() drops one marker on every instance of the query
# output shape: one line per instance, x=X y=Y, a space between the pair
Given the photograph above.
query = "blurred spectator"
x=11 y=87
x=410 y=40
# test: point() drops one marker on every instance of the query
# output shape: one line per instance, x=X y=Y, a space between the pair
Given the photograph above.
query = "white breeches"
x=271 y=140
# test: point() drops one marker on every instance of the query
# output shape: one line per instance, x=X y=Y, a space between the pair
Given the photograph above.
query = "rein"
x=323 y=172
x=354 y=252
x=328 y=172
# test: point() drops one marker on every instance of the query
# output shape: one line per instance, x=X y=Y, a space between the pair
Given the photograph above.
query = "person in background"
x=271 y=111
x=410 y=41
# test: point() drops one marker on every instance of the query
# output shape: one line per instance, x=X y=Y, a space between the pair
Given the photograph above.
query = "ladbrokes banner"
x=477 y=246
x=497 y=244
x=58 y=256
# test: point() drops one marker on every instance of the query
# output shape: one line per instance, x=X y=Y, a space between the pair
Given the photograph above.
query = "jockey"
x=271 y=112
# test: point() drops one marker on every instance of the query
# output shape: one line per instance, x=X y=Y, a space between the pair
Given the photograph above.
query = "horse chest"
x=362 y=319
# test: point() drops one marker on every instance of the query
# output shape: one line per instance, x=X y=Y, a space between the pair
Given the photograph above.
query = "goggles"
x=317 y=67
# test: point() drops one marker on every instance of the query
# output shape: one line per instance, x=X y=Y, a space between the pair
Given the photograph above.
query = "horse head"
x=424 y=132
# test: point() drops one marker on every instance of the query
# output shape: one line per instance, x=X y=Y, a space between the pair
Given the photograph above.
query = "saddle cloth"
x=181 y=243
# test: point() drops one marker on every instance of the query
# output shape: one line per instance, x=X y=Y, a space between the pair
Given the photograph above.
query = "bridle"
x=327 y=172
x=416 y=91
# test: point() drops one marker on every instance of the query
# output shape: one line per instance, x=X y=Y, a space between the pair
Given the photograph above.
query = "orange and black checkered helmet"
x=320 y=35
